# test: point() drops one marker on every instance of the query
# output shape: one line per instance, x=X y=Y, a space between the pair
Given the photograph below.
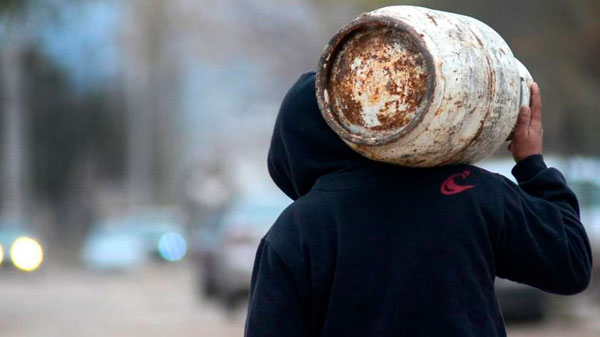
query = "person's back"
x=371 y=249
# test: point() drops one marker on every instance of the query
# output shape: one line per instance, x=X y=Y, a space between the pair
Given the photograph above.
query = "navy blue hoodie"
x=372 y=249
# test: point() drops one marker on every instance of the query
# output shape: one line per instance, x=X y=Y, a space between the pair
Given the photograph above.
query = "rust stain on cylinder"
x=431 y=18
x=378 y=79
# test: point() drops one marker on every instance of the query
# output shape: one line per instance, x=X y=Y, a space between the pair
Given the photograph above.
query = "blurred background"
x=133 y=141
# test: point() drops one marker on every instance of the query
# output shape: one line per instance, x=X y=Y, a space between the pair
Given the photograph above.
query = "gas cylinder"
x=419 y=87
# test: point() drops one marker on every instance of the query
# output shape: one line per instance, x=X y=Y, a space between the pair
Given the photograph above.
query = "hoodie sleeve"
x=276 y=307
x=541 y=241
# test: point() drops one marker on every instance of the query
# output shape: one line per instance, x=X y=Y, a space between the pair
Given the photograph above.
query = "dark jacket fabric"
x=372 y=249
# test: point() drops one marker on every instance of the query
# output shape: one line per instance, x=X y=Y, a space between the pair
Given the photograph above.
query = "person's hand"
x=527 y=139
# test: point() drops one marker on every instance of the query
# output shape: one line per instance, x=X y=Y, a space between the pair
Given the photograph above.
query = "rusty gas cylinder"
x=419 y=87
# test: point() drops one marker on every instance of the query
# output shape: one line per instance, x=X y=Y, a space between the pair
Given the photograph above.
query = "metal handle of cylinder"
x=525 y=94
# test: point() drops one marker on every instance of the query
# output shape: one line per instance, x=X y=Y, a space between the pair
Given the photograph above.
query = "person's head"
x=303 y=147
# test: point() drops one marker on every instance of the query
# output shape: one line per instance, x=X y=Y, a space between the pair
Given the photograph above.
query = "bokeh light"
x=26 y=254
x=172 y=246
x=1 y=254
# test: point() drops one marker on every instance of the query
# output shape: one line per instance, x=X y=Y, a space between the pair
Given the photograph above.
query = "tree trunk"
x=13 y=183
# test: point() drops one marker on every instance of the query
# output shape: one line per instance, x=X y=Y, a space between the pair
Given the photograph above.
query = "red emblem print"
x=450 y=187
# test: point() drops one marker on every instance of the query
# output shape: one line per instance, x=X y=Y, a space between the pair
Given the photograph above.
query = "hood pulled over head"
x=303 y=147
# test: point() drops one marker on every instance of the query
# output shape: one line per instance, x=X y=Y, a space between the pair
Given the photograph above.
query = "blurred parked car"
x=130 y=241
x=18 y=246
x=225 y=247
x=522 y=302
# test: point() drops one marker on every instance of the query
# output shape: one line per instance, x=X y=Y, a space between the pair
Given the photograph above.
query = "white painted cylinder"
x=419 y=87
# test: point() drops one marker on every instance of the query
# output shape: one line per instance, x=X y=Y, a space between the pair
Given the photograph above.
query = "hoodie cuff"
x=529 y=168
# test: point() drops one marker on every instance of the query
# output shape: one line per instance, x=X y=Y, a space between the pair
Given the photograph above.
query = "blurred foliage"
x=68 y=129
x=12 y=5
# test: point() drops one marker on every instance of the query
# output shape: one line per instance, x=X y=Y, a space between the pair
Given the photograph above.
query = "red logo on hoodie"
x=450 y=187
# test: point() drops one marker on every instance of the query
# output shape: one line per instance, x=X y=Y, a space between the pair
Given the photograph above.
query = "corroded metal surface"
x=379 y=78
x=419 y=87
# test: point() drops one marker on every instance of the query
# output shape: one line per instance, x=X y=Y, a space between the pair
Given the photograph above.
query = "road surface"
x=158 y=300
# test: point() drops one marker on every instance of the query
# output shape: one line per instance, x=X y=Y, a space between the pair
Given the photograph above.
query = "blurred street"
x=158 y=300
x=556 y=329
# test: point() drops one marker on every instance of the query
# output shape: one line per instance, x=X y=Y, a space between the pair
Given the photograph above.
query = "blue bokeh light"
x=172 y=246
